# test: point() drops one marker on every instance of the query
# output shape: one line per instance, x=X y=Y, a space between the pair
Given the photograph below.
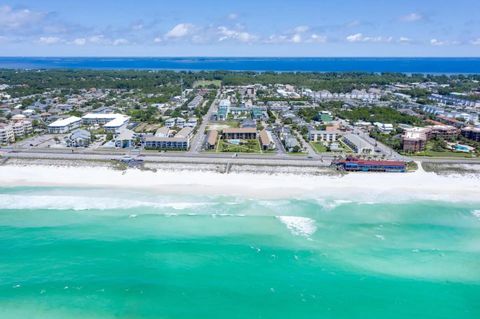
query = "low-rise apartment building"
x=358 y=144
x=181 y=141
x=242 y=133
x=323 y=136
x=63 y=126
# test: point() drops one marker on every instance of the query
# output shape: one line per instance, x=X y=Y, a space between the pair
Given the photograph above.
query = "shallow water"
x=98 y=253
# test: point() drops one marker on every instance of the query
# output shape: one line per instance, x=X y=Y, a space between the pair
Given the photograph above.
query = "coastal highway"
x=173 y=158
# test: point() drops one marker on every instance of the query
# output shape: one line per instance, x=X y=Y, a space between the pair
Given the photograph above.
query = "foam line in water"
x=299 y=226
x=84 y=203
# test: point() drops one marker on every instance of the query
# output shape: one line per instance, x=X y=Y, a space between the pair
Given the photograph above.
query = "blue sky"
x=240 y=28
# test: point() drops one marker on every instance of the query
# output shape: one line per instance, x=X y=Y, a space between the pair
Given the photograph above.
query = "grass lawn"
x=429 y=152
x=346 y=148
x=319 y=147
x=246 y=146
x=444 y=154
x=205 y=83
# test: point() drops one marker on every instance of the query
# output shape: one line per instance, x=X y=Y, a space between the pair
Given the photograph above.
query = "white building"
x=323 y=136
x=383 y=127
x=175 y=122
x=358 y=144
x=22 y=128
x=111 y=122
x=6 y=134
x=192 y=122
x=64 y=125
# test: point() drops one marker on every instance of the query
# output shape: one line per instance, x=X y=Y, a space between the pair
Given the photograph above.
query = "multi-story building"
x=22 y=128
x=243 y=133
x=112 y=122
x=181 y=141
x=442 y=131
x=323 y=136
x=64 y=125
x=6 y=134
x=472 y=133
x=358 y=144
x=266 y=140
x=415 y=139
x=196 y=102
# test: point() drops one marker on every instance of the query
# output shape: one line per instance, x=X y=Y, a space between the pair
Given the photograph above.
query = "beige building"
x=6 y=134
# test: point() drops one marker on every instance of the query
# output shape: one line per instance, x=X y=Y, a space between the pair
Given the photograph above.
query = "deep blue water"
x=404 y=65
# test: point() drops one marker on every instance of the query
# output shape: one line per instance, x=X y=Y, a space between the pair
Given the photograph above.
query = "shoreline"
x=292 y=184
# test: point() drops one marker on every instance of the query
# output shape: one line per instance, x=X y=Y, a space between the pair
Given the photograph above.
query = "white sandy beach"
x=361 y=186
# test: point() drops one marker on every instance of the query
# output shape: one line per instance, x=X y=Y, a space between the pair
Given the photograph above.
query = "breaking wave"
x=299 y=226
x=85 y=203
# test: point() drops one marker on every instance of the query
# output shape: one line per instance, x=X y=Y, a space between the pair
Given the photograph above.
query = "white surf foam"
x=476 y=213
x=56 y=202
x=299 y=226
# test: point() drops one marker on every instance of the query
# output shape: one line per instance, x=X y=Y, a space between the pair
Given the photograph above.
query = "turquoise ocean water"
x=98 y=253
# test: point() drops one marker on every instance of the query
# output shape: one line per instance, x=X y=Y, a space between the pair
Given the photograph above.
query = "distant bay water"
x=403 y=65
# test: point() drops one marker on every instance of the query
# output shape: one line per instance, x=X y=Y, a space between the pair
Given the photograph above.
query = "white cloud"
x=412 y=17
x=437 y=42
x=359 y=37
x=49 y=40
x=12 y=19
x=296 y=38
x=232 y=16
x=137 y=27
x=316 y=38
x=226 y=33
x=301 y=29
x=404 y=40
x=98 y=39
x=180 y=30
x=158 y=40
x=79 y=41
x=120 y=41
x=475 y=42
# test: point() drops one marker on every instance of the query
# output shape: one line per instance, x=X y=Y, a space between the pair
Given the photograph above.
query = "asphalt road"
x=198 y=139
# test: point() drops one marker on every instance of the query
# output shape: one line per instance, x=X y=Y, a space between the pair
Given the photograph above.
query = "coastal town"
x=378 y=126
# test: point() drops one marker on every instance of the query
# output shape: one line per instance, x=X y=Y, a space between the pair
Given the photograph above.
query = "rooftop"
x=65 y=122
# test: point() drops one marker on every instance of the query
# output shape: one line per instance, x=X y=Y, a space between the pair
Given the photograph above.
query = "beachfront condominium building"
x=358 y=144
x=415 y=139
x=64 y=125
x=167 y=143
x=323 y=136
x=211 y=141
x=112 y=122
x=442 y=131
x=181 y=141
x=243 y=133
x=125 y=138
x=472 y=133
x=79 y=138
x=22 y=128
x=266 y=140
x=6 y=134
